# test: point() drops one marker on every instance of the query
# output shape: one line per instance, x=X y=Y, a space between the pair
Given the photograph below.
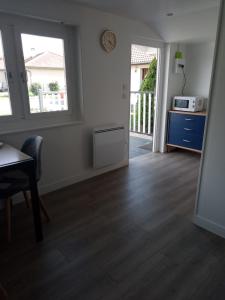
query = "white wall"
x=67 y=155
x=135 y=78
x=199 y=61
x=136 y=75
x=198 y=68
x=172 y=86
x=175 y=80
x=210 y=208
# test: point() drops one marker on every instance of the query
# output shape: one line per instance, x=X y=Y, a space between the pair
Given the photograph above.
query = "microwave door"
x=181 y=104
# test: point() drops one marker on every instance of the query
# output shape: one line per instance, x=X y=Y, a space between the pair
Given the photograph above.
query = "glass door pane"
x=44 y=61
x=5 y=103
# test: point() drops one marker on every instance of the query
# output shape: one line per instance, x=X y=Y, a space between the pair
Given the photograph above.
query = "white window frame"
x=10 y=66
x=22 y=119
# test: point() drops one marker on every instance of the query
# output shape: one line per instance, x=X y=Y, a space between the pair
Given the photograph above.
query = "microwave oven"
x=186 y=103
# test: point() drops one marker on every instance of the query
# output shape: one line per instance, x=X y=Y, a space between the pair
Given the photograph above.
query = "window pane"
x=46 y=75
x=5 y=104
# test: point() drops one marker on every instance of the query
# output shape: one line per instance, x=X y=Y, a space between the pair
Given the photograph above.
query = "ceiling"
x=191 y=20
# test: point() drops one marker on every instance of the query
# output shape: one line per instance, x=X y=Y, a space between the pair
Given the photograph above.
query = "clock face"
x=108 y=40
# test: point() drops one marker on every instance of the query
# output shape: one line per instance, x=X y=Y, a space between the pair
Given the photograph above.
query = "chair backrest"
x=32 y=147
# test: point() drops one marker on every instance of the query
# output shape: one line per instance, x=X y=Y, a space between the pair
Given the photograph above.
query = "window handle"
x=23 y=76
x=10 y=76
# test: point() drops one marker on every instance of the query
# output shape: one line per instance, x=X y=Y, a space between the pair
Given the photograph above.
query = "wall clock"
x=108 y=40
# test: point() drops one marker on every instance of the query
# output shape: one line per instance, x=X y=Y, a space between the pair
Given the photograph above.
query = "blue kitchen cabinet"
x=186 y=130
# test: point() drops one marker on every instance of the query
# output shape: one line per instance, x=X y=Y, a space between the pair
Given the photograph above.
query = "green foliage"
x=148 y=85
x=149 y=82
x=53 y=86
x=34 y=88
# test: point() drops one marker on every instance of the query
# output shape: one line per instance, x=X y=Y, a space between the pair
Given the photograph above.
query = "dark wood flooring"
x=127 y=234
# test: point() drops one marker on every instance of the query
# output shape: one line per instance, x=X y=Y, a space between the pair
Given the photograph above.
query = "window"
x=39 y=73
x=5 y=104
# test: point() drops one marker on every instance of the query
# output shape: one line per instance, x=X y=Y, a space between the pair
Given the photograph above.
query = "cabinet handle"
x=188 y=119
x=186 y=141
x=188 y=129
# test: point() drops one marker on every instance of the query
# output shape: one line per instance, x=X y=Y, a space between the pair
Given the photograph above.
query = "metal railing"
x=142 y=112
x=47 y=101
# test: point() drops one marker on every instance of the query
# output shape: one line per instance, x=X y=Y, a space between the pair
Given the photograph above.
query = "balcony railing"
x=142 y=112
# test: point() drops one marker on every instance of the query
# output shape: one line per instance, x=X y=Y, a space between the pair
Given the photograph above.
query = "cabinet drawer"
x=186 y=140
x=184 y=123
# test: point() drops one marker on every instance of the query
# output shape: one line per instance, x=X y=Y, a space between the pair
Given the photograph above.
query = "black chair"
x=16 y=181
x=3 y=293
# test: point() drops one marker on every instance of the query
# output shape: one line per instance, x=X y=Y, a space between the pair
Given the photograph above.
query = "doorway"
x=143 y=87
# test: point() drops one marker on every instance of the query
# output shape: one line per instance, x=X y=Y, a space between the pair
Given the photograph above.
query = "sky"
x=34 y=44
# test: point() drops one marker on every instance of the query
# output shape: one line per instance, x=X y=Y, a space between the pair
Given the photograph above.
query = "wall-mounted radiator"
x=108 y=145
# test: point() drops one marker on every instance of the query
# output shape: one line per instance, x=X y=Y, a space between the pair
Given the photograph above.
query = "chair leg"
x=3 y=293
x=27 y=199
x=8 y=207
x=42 y=206
x=44 y=211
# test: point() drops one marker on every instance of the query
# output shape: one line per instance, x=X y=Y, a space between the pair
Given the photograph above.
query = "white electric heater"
x=108 y=145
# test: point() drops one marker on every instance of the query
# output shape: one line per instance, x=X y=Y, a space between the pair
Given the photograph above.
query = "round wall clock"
x=108 y=40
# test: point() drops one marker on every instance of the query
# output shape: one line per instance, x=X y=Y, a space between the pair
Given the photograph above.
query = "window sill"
x=43 y=127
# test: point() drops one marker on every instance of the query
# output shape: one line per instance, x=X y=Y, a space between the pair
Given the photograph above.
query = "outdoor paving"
x=136 y=142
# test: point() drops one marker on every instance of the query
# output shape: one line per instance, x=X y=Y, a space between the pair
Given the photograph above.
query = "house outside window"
x=140 y=60
x=46 y=73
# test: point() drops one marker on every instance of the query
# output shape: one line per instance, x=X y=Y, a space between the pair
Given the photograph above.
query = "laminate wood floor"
x=127 y=234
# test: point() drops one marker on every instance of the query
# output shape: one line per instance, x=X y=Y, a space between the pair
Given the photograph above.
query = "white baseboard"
x=64 y=182
x=53 y=186
x=209 y=225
